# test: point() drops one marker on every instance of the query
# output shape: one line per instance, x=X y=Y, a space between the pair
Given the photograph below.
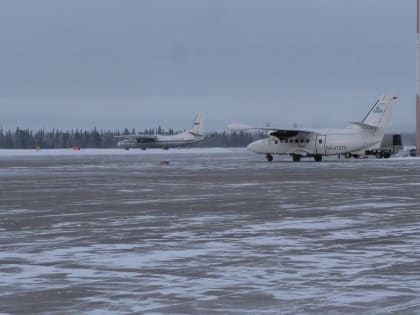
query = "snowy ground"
x=218 y=231
x=83 y=152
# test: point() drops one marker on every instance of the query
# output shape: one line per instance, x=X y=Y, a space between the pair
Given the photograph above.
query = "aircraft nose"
x=255 y=146
x=122 y=144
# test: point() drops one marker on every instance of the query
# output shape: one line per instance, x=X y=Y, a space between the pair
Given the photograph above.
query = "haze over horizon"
x=113 y=64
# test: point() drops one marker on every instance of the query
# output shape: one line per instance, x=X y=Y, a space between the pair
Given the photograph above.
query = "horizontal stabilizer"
x=365 y=126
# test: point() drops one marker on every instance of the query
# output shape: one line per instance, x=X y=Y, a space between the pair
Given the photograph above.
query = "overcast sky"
x=141 y=63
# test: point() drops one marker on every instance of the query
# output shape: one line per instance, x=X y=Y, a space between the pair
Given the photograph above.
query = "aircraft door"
x=320 y=144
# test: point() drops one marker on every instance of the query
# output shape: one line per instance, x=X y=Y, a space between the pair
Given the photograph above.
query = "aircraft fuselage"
x=328 y=142
x=144 y=142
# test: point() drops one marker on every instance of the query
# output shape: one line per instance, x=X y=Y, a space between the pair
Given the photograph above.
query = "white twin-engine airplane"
x=359 y=136
x=196 y=134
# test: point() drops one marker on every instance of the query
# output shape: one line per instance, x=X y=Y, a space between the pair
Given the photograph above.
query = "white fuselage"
x=321 y=142
x=358 y=137
x=160 y=141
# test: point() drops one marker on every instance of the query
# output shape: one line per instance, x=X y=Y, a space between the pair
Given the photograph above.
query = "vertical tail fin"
x=379 y=114
x=198 y=125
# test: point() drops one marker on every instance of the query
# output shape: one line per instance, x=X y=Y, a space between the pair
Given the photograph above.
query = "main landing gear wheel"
x=318 y=158
x=296 y=158
x=269 y=157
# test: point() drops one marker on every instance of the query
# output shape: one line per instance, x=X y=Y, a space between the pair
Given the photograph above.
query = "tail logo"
x=377 y=110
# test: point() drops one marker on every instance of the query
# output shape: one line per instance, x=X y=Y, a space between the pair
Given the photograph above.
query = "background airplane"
x=195 y=134
x=316 y=143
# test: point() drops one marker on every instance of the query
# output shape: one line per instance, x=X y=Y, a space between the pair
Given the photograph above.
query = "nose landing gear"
x=318 y=158
x=269 y=157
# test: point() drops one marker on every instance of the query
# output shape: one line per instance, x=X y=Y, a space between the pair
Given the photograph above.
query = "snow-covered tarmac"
x=218 y=231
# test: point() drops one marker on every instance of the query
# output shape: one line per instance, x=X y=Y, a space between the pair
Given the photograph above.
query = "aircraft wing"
x=138 y=137
x=289 y=133
x=276 y=132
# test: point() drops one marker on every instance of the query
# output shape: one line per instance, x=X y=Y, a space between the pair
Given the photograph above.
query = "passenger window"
x=307 y=140
x=296 y=141
x=302 y=140
x=320 y=141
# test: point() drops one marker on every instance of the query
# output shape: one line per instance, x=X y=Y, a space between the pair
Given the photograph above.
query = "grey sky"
x=81 y=63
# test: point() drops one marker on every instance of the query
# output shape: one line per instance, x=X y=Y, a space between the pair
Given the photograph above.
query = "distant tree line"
x=55 y=138
x=230 y=139
x=94 y=138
